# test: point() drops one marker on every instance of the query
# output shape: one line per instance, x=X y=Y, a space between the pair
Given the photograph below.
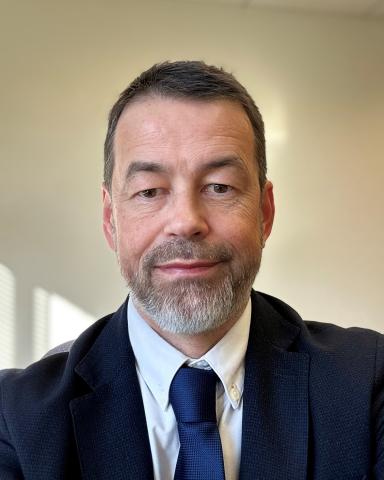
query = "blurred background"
x=314 y=67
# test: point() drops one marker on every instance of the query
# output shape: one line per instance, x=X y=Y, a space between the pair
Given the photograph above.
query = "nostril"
x=187 y=228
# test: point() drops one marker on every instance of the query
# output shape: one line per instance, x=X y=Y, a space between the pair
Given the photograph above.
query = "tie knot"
x=193 y=395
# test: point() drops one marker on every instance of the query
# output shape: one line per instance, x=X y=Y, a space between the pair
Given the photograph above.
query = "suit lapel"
x=109 y=422
x=275 y=400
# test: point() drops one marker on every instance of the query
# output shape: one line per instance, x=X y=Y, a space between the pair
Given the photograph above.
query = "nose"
x=186 y=217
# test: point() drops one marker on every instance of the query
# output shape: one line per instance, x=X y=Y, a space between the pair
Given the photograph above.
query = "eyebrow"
x=140 y=166
x=223 y=162
x=155 y=167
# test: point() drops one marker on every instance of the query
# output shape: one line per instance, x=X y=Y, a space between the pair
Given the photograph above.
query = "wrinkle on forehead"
x=160 y=127
x=151 y=115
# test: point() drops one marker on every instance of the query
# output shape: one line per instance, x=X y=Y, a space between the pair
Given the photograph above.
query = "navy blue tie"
x=193 y=398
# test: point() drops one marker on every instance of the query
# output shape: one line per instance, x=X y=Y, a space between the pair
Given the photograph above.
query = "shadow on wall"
x=55 y=320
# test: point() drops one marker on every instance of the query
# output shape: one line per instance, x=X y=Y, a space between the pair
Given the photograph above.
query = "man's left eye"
x=149 y=193
x=218 y=188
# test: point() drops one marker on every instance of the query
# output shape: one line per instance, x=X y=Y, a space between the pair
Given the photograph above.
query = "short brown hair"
x=186 y=79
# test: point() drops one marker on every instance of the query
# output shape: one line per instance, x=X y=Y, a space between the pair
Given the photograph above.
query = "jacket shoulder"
x=321 y=336
x=52 y=374
x=332 y=337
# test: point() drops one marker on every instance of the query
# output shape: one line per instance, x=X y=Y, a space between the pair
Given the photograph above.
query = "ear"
x=267 y=210
x=108 y=221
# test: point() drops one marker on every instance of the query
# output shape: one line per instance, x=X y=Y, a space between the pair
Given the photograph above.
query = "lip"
x=187 y=268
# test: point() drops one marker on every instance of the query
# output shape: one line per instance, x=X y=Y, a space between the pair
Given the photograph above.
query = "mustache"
x=186 y=250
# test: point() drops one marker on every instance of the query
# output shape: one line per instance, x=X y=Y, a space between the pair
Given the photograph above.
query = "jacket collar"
x=275 y=409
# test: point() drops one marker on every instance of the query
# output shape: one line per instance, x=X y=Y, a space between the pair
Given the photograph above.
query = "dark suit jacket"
x=313 y=405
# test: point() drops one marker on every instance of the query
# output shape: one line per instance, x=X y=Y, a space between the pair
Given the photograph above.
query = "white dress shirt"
x=157 y=362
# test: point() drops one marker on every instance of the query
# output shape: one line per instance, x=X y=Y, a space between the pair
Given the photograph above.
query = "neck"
x=193 y=346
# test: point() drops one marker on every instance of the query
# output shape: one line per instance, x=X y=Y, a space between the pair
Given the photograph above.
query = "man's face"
x=185 y=215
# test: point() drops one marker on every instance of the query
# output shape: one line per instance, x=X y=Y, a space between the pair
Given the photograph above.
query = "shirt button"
x=234 y=393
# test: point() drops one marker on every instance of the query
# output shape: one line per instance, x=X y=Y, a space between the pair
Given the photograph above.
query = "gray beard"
x=193 y=306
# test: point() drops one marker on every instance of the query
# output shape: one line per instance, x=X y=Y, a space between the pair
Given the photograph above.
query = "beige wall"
x=319 y=80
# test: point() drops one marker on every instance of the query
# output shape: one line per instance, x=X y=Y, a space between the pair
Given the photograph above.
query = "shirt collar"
x=157 y=361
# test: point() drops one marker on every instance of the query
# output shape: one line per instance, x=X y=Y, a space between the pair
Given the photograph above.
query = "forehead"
x=157 y=128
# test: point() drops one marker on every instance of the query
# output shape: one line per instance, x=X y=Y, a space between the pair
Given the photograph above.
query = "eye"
x=218 y=188
x=149 y=193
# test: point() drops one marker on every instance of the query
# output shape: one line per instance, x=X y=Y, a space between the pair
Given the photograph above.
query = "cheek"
x=240 y=226
x=243 y=211
x=249 y=210
x=247 y=229
x=134 y=237
x=244 y=238
x=248 y=241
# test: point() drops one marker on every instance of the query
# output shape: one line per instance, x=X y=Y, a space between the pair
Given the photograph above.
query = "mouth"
x=187 y=268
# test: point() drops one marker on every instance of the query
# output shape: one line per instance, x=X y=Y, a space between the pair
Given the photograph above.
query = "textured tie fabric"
x=193 y=398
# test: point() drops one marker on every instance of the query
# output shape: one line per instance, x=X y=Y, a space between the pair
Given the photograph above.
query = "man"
x=195 y=376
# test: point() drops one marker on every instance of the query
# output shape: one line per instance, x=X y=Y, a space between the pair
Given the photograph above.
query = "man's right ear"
x=108 y=220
